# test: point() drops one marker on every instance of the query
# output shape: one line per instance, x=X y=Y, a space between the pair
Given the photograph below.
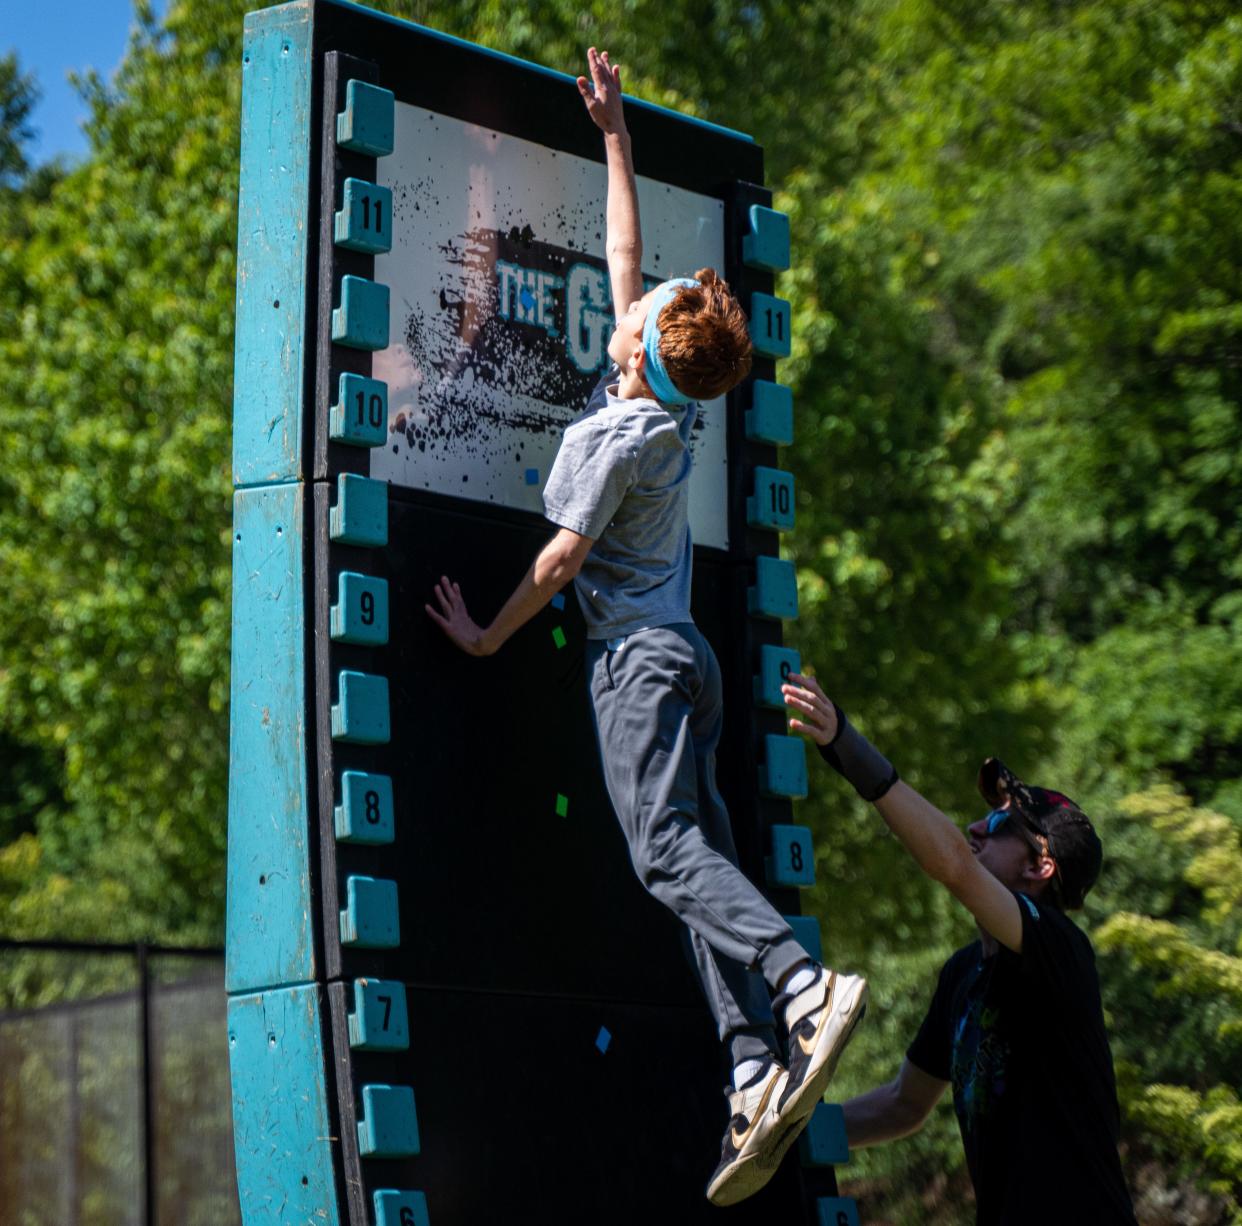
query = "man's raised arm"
x=624 y=244
x=928 y=835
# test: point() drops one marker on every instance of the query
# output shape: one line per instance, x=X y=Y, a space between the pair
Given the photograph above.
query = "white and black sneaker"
x=820 y=1019
x=753 y=1110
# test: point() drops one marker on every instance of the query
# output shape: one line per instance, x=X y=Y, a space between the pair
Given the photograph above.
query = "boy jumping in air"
x=618 y=493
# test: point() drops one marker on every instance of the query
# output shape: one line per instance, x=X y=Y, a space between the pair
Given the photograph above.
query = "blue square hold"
x=792 y=861
x=367 y=123
x=360 y=516
x=806 y=933
x=360 y=614
x=361 y=321
x=364 y=222
x=365 y=814
x=532 y=476
x=767 y=244
x=775 y=593
x=388 y=1127
x=360 y=415
x=771 y=506
x=775 y=665
x=836 y=1211
x=823 y=1142
x=379 y=1021
x=770 y=417
x=783 y=772
x=769 y=325
x=371 y=919
x=393 y=1208
x=360 y=714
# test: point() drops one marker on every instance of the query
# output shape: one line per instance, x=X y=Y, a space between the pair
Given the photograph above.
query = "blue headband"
x=654 y=370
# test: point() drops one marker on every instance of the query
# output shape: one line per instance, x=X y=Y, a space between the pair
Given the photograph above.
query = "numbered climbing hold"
x=792 y=861
x=775 y=665
x=379 y=1021
x=360 y=415
x=365 y=814
x=769 y=325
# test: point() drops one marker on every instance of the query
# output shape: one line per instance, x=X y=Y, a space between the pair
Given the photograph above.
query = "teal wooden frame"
x=281 y=1108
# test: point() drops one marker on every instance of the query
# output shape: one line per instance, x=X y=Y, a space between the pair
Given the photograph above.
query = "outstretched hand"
x=453 y=618
x=603 y=103
x=816 y=718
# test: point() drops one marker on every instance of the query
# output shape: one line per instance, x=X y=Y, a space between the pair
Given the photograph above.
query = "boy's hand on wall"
x=453 y=618
x=816 y=717
x=603 y=103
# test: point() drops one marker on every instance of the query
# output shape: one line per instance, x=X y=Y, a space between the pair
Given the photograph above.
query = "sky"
x=53 y=38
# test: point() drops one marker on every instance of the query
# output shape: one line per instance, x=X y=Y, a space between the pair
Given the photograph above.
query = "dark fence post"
x=75 y=1125
x=148 y=1147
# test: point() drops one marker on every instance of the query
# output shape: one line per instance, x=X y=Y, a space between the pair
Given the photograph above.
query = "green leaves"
x=114 y=408
x=18 y=95
x=1190 y=957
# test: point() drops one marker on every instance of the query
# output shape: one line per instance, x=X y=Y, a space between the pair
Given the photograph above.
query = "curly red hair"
x=704 y=338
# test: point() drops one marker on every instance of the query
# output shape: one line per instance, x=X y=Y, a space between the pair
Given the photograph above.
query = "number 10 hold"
x=360 y=415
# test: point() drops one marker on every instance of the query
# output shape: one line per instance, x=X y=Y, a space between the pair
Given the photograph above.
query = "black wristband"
x=858 y=760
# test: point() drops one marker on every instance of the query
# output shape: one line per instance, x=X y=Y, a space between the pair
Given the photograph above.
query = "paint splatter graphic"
x=501 y=311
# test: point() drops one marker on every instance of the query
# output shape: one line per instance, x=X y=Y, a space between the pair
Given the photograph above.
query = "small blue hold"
x=558 y=601
x=603 y=1039
x=532 y=476
x=527 y=299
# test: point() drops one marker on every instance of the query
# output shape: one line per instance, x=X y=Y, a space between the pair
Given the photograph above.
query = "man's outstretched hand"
x=453 y=618
x=816 y=717
x=603 y=103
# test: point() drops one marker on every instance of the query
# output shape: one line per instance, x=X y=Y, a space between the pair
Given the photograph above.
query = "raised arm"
x=624 y=245
x=926 y=833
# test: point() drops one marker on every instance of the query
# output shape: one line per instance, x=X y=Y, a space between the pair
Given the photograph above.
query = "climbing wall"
x=449 y=997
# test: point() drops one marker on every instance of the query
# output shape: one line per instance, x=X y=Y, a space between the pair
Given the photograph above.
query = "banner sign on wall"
x=501 y=311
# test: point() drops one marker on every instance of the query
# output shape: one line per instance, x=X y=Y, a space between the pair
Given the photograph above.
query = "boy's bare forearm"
x=554 y=566
x=624 y=245
x=624 y=242
x=549 y=572
x=557 y=563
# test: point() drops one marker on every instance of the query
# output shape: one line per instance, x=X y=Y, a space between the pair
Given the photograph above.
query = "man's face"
x=628 y=334
x=1007 y=853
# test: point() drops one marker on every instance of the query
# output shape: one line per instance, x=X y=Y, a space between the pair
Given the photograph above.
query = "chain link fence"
x=114 y=1087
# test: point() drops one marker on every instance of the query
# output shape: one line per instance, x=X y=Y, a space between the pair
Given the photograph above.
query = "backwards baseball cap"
x=1072 y=840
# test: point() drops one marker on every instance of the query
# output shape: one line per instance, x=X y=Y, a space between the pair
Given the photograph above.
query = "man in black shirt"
x=1015 y=1025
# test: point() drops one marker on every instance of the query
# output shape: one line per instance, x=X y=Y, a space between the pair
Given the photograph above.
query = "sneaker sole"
x=797 y=1124
x=746 y=1176
x=798 y=1108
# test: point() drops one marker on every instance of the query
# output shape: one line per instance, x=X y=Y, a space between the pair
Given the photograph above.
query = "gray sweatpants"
x=658 y=714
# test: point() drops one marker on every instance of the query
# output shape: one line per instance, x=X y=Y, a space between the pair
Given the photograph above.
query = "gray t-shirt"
x=622 y=477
